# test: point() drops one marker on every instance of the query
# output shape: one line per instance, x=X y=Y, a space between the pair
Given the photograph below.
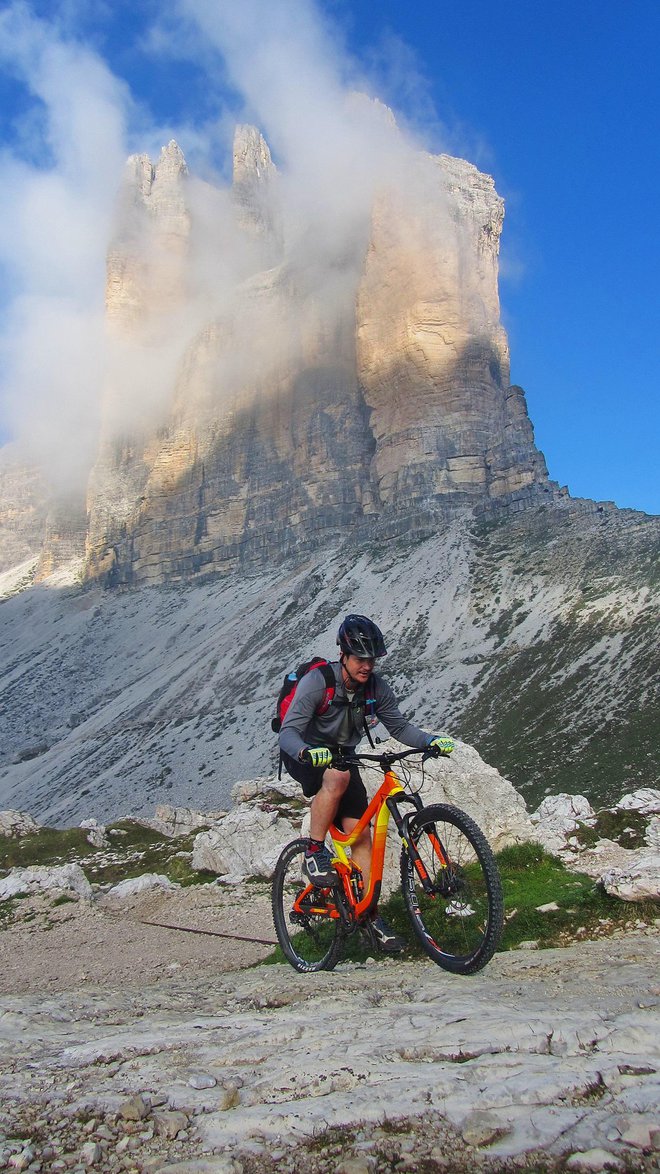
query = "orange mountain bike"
x=450 y=882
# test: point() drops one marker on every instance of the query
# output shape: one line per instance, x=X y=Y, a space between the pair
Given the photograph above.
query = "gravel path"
x=105 y=943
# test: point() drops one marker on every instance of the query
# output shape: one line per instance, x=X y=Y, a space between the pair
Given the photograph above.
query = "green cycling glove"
x=442 y=745
x=317 y=755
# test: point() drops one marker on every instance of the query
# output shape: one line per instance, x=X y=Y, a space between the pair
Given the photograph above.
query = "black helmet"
x=360 y=637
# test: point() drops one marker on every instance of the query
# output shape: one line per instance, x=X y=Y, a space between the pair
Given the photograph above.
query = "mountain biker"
x=308 y=739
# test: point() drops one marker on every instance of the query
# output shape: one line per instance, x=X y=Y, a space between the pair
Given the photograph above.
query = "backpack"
x=293 y=679
x=291 y=682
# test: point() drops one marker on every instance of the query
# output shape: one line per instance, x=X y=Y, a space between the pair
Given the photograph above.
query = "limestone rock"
x=278 y=430
x=652 y=836
x=432 y=354
x=467 y=782
x=180 y=821
x=596 y=1159
x=96 y=833
x=246 y=842
x=146 y=260
x=135 y=1108
x=139 y=884
x=557 y=817
x=24 y=504
x=65 y=878
x=639 y=880
x=482 y=1127
x=17 y=823
x=246 y=789
x=254 y=192
x=646 y=801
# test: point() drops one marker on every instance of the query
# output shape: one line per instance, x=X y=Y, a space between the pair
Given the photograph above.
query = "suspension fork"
x=403 y=827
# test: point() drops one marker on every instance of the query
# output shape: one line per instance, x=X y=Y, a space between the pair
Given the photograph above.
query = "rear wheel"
x=459 y=922
x=306 y=919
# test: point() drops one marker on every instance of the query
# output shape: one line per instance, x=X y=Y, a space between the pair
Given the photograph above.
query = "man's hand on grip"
x=441 y=745
x=317 y=755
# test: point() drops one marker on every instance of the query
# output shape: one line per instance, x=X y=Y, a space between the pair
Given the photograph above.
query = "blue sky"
x=559 y=101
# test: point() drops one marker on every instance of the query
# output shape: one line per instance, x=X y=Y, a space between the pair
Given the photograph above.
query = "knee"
x=335 y=782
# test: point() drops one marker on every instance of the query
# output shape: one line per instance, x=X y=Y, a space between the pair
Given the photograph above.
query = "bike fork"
x=403 y=827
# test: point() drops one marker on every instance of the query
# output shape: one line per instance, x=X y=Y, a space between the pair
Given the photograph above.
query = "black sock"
x=316 y=845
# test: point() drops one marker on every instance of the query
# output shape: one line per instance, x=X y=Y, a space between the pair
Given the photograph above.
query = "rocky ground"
x=128 y=1046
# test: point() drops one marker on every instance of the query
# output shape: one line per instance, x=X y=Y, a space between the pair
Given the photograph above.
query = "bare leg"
x=361 y=849
x=326 y=801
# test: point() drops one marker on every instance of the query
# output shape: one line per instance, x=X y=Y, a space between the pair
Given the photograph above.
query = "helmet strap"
x=349 y=681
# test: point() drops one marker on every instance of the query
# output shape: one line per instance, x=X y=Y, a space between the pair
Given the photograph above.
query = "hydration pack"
x=293 y=679
x=291 y=682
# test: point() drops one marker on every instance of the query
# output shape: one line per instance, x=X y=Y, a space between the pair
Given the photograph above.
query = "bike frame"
x=384 y=804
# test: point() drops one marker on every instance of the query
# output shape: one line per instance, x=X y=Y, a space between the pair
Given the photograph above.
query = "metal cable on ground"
x=212 y=933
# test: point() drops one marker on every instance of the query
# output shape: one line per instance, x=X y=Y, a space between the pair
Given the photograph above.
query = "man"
x=308 y=738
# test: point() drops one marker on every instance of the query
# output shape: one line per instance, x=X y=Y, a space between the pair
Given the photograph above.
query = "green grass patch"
x=532 y=877
x=627 y=828
x=7 y=911
x=133 y=850
x=48 y=846
x=137 y=850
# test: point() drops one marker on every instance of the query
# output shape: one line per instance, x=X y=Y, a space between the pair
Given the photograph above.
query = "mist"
x=68 y=375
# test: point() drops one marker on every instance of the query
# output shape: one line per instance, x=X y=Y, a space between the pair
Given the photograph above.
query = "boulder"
x=246 y=789
x=246 y=842
x=16 y=824
x=96 y=833
x=639 y=880
x=68 y=878
x=558 y=817
x=466 y=781
x=179 y=821
x=140 y=884
x=646 y=801
x=652 y=836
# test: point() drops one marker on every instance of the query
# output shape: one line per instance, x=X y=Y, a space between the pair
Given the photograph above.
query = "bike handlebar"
x=386 y=759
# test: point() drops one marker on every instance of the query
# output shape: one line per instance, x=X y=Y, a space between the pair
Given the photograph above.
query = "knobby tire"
x=309 y=942
x=460 y=925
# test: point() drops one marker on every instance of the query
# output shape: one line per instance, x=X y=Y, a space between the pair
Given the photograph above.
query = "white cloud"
x=56 y=209
x=290 y=74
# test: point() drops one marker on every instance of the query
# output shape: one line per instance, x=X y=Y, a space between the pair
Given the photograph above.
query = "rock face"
x=543 y=1061
x=432 y=355
x=372 y=394
x=630 y=873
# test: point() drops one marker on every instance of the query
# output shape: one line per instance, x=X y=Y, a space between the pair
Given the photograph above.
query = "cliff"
x=370 y=395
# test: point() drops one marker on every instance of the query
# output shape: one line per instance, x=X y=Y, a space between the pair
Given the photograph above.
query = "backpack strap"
x=369 y=707
x=330 y=687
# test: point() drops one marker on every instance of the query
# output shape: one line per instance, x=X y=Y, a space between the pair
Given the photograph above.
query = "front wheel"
x=459 y=921
x=307 y=920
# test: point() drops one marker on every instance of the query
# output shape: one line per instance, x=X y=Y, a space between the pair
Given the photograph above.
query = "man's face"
x=358 y=668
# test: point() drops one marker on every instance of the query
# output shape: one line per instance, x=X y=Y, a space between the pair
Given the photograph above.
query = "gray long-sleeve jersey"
x=343 y=723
